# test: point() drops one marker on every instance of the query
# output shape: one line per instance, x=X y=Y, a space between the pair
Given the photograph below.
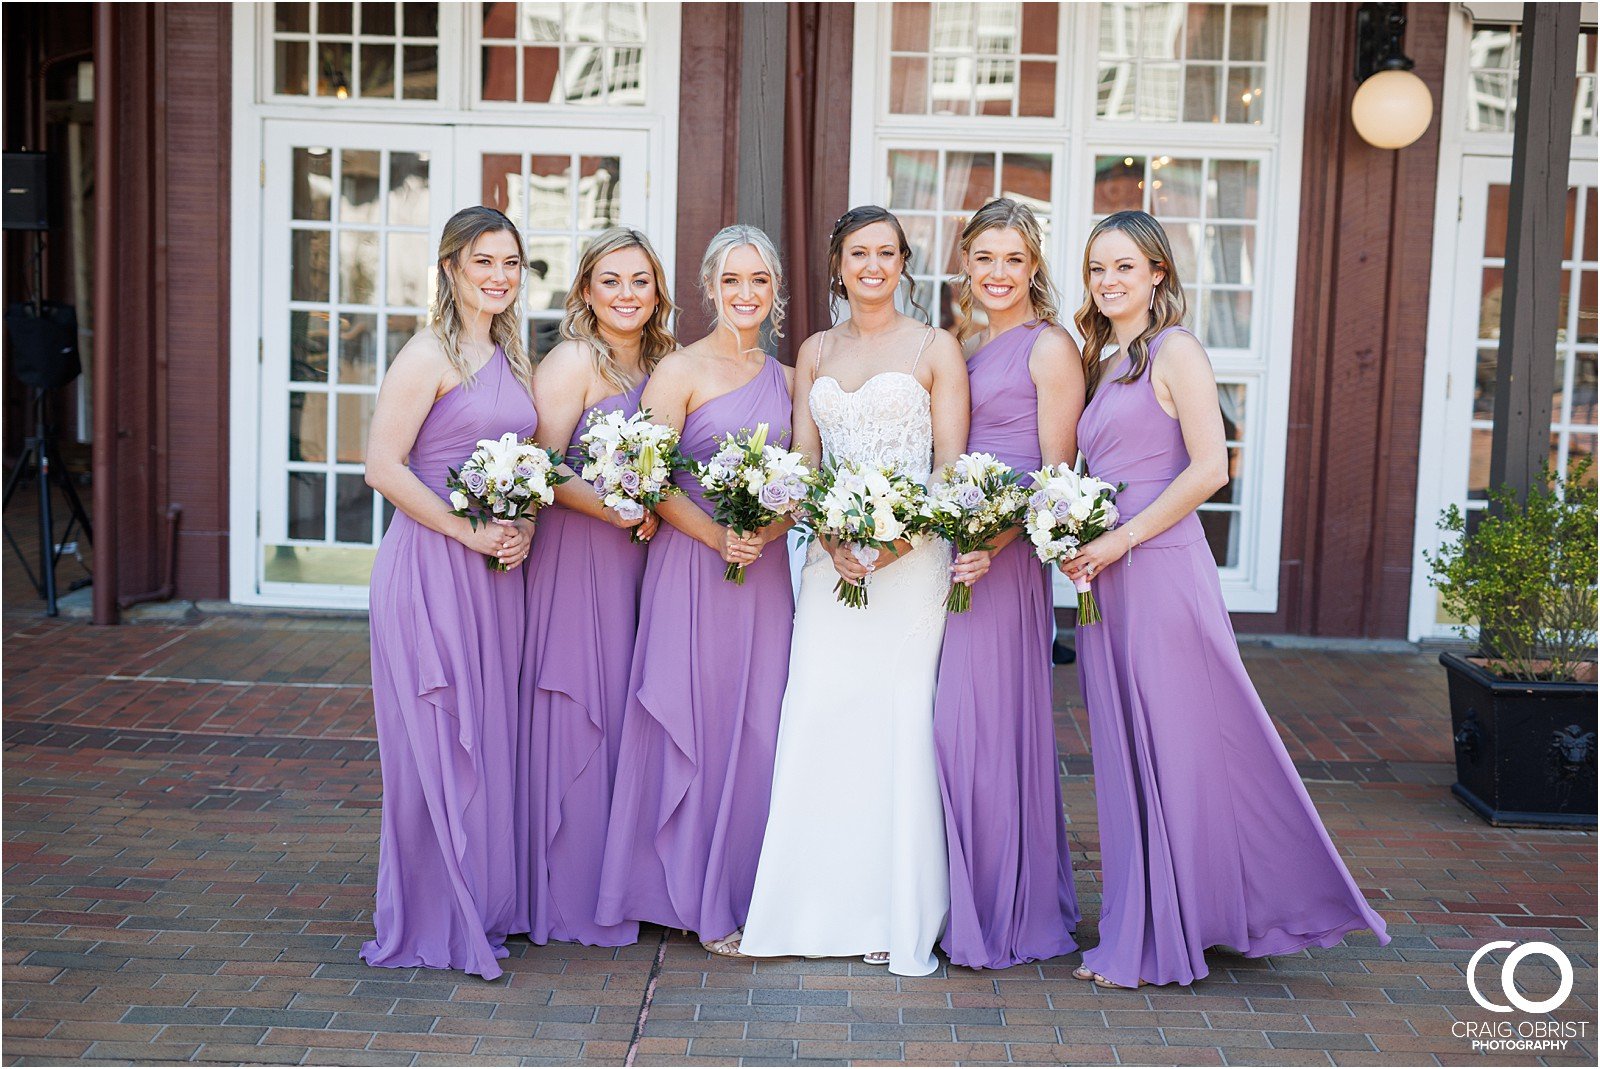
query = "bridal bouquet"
x=751 y=483
x=866 y=506
x=974 y=500
x=503 y=480
x=1066 y=511
x=629 y=461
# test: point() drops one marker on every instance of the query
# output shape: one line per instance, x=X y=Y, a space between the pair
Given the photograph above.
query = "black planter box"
x=1525 y=752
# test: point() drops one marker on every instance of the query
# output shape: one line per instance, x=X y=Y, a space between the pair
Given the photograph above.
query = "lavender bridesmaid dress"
x=447 y=639
x=1011 y=894
x=709 y=668
x=1207 y=835
x=583 y=579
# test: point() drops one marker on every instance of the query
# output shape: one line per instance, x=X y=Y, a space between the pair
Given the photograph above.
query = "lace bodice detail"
x=888 y=421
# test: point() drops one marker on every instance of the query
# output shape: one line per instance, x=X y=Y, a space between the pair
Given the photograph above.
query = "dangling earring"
x=1153 y=296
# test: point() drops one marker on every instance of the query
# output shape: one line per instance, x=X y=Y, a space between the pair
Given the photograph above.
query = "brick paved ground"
x=191 y=817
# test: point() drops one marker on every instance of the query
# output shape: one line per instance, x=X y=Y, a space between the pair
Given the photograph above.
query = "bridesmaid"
x=1011 y=894
x=447 y=631
x=583 y=597
x=712 y=658
x=1207 y=835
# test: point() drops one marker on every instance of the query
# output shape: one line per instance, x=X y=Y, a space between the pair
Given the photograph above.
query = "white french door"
x=350 y=220
x=1455 y=458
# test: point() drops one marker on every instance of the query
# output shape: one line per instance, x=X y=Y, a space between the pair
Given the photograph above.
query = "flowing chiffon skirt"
x=444 y=681
x=695 y=770
x=1011 y=893
x=1207 y=835
x=583 y=580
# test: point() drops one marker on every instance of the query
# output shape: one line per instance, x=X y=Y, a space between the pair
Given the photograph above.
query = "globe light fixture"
x=1392 y=107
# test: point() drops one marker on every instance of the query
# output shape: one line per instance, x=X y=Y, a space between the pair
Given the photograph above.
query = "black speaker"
x=27 y=207
x=44 y=344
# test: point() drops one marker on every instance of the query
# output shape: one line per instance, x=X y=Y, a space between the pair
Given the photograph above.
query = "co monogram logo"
x=1508 y=973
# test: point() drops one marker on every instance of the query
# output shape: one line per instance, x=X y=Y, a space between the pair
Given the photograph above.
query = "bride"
x=854 y=856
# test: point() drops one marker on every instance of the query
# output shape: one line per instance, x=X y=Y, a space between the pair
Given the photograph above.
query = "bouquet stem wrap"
x=1088 y=607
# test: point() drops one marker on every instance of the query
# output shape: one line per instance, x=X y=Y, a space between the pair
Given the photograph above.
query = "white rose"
x=458 y=500
x=1081 y=508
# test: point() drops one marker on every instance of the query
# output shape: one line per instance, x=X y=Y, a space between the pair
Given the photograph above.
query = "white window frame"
x=1073 y=138
x=1445 y=395
x=254 y=108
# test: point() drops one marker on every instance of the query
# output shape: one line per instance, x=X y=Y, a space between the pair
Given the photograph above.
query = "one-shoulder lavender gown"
x=709 y=668
x=1011 y=894
x=583 y=580
x=447 y=639
x=1207 y=835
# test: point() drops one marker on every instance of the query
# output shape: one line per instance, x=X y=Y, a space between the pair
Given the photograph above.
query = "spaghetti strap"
x=816 y=364
x=926 y=338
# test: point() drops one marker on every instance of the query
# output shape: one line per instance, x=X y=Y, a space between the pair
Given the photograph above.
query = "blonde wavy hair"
x=580 y=325
x=716 y=260
x=1168 y=303
x=1004 y=213
x=446 y=318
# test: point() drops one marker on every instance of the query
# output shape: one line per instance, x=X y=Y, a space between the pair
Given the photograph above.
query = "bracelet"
x=1130 y=546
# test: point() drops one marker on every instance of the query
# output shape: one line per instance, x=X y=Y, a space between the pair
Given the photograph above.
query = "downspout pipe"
x=103 y=380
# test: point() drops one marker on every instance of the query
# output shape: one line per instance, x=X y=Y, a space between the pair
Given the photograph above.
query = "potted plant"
x=1522 y=581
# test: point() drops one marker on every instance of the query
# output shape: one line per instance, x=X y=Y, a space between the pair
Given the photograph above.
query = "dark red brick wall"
x=170 y=349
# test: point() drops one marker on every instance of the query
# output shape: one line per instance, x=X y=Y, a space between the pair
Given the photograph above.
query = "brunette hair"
x=579 y=323
x=1168 y=304
x=716 y=258
x=460 y=234
x=1003 y=213
x=855 y=219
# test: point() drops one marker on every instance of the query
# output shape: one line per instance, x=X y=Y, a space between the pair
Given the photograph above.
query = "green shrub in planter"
x=1523 y=712
x=1523 y=583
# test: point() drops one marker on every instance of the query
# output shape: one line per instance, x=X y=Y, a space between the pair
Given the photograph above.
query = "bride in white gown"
x=854 y=856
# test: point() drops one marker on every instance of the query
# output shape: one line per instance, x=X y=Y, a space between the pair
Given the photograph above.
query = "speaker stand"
x=36 y=456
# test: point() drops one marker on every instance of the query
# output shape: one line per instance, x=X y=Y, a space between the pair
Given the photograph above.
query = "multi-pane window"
x=554 y=53
x=348 y=51
x=1573 y=414
x=559 y=202
x=973 y=59
x=1493 y=60
x=1183 y=63
x=1076 y=154
x=934 y=191
x=358 y=266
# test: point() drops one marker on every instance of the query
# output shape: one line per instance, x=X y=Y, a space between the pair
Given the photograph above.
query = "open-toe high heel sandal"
x=1111 y=985
x=726 y=947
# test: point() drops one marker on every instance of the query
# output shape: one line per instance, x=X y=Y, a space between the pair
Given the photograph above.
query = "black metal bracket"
x=1380 y=40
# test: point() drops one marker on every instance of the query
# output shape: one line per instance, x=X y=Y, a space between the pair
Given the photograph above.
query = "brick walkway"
x=191 y=818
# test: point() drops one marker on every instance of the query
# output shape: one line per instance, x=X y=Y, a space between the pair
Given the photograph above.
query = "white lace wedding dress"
x=854 y=856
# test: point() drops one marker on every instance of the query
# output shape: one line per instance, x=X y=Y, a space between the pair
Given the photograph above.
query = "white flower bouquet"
x=1066 y=511
x=867 y=507
x=629 y=461
x=503 y=480
x=973 y=501
x=751 y=483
